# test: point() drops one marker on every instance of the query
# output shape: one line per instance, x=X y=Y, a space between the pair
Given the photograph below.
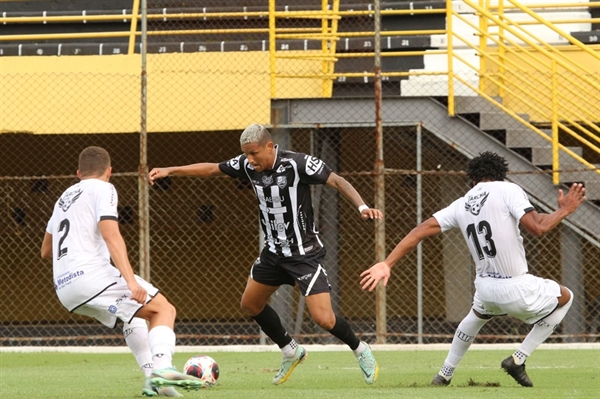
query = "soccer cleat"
x=288 y=365
x=368 y=365
x=171 y=377
x=440 y=381
x=149 y=390
x=516 y=372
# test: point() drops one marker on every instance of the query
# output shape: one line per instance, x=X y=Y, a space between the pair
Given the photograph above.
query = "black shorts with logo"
x=306 y=271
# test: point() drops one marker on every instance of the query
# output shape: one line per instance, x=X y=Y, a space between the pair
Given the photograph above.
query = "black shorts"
x=306 y=271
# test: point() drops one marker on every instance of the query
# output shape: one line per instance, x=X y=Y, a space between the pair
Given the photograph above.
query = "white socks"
x=465 y=333
x=542 y=330
x=161 y=340
x=136 y=337
x=290 y=349
x=360 y=349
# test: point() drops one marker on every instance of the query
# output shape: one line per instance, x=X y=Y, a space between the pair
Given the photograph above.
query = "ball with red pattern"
x=203 y=367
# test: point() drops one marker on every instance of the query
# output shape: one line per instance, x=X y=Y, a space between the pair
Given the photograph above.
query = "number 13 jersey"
x=488 y=217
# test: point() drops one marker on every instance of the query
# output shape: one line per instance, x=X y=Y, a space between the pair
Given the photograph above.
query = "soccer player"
x=488 y=216
x=293 y=253
x=81 y=238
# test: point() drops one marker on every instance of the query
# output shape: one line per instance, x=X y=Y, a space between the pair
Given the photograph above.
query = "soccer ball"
x=203 y=367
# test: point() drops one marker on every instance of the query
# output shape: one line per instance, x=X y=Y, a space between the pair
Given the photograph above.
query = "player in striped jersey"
x=293 y=252
x=489 y=216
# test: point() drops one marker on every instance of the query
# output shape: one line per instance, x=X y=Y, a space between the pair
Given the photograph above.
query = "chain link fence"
x=209 y=74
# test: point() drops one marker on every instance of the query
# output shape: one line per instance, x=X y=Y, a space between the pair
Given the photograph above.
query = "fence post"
x=143 y=206
x=420 y=245
x=380 y=295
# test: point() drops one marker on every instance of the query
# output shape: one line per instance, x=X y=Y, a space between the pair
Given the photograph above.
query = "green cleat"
x=368 y=365
x=170 y=377
x=288 y=365
x=149 y=390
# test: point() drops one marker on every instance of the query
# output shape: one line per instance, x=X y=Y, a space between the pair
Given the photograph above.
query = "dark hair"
x=93 y=161
x=487 y=166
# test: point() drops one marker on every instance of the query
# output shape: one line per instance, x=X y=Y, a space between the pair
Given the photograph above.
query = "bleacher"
x=252 y=41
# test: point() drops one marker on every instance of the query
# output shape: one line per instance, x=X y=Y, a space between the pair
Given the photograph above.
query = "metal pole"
x=420 y=244
x=380 y=294
x=143 y=195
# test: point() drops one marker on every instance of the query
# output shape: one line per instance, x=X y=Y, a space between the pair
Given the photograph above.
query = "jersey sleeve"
x=517 y=201
x=312 y=169
x=235 y=167
x=106 y=203
x=446 y=217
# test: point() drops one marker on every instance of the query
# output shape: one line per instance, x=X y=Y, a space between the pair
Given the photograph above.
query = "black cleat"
x=516 y=372
x=440 y=381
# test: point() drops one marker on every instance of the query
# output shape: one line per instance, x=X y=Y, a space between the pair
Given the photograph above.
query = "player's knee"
x=251 y=309
x=325 y=321
x=565 y=298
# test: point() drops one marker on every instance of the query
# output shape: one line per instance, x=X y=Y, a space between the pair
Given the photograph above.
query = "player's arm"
x=46 y=250
x=541 y=223
x=204 y=169
x=109 y=229
x=347 y=190
x=382 y=270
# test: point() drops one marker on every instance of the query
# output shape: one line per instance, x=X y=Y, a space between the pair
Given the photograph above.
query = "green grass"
x=404 y=374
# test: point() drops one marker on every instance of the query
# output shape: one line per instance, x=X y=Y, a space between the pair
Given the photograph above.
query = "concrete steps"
x=526 y=142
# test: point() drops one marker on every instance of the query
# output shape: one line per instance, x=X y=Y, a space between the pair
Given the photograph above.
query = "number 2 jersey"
x=284 y=199
x=488 y=217
x=79 y=253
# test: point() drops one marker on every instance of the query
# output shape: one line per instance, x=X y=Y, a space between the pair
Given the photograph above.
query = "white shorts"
x=526 y=297
x=115 y=302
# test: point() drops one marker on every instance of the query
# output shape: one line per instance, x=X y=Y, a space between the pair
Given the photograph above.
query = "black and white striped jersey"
x=284 y=199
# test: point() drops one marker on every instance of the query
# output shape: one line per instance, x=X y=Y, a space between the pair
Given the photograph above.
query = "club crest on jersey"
x=267 y=180
x=475 y=203
x=281 y=182
x=69 y=199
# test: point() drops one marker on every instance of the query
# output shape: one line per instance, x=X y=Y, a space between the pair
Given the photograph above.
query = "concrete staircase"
x=527 y=143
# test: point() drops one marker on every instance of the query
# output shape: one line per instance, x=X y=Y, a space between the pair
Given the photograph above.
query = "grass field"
x=404 y=374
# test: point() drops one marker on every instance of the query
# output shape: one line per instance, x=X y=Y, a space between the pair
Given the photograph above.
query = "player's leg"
x=319 y=305
x=515 y=365
x=463 y=338
x=161 y=314
x=254 y=303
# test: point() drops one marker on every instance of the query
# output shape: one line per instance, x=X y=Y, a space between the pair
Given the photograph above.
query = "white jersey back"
x=488 y=216
x=79 y=252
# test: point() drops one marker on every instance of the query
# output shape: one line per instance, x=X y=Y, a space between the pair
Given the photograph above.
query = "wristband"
x=363 y=208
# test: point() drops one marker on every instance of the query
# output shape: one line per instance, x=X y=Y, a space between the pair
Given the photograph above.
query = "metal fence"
x=203 y=234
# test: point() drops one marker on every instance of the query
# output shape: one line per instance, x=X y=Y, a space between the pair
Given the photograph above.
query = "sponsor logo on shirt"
x=66 y=279
x=313 y=165
x=234 y=163
x=267 y=180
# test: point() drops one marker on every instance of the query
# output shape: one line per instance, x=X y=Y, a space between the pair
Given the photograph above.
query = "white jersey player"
x=81 y=238
x=489 y=216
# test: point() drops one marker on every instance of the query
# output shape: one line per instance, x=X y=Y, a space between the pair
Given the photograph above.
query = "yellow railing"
x=506 y=67
x=578 y=97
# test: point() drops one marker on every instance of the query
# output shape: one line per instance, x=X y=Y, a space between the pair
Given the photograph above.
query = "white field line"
x=274 y=348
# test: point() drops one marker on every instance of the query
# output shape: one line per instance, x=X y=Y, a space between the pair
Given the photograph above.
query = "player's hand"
x=138 y=293
x=371 y=213
x=372 y=276
x=157 y=173
x=574 y=197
